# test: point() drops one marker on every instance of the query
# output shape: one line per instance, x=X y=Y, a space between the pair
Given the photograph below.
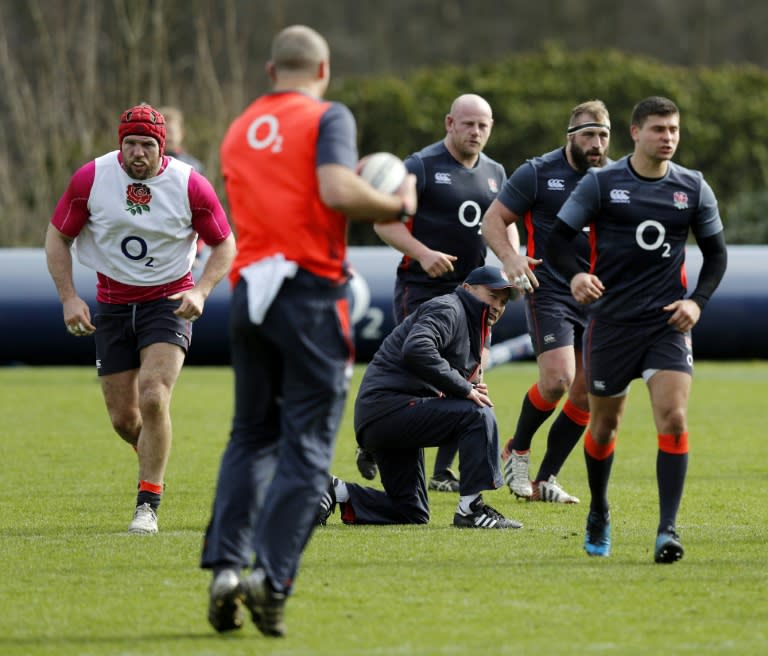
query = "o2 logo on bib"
x=135 y=248
x=264 y=133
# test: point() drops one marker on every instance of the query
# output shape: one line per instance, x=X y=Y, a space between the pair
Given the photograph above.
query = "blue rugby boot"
x=597 y=541
x=668 y=548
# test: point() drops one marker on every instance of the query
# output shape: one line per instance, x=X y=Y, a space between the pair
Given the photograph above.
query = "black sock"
x=528 y=423
x=152 y=498
x=598 y=474
x=671 y=469
x=563 y=436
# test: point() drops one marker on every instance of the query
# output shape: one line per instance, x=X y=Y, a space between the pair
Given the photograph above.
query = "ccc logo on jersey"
x=556 y=184
x=442 y=178
x=619 y=196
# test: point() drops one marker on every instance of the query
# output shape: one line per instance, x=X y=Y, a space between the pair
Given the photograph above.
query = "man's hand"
x=685 y=314
x=518 y=270
x=435 y=263
x=479 y=395
x=77 y=317
x=192 y=302
x=586 y=288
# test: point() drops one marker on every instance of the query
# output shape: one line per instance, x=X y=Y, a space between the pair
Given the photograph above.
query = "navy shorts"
x=616 y=354
x=122 y=330
x=554 y=319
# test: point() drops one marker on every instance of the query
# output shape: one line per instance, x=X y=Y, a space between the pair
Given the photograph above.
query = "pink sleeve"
x=72 y=212
x=208 y=216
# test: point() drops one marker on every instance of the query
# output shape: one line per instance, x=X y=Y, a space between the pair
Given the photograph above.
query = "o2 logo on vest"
x=264 y=133
x=135 y=248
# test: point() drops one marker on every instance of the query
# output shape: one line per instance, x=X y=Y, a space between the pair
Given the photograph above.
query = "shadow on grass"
x=66 y=643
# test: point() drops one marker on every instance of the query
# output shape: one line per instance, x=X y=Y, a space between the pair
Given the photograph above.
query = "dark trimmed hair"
x=652 y=106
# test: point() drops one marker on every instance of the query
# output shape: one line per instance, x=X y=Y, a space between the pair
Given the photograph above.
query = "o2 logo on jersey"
x=264 y=133
x=650 y=236
x=470 y=214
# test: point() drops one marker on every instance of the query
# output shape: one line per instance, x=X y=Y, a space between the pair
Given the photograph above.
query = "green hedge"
x=723 y=116
x=724 y=127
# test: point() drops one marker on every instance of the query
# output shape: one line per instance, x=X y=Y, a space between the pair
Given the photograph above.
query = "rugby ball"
x=383 y=171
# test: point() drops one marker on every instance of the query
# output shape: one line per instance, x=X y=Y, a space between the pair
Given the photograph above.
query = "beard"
x=580 y=158
x=147 y=168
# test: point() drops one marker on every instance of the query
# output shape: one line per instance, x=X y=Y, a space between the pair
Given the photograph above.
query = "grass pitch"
x=73 y=582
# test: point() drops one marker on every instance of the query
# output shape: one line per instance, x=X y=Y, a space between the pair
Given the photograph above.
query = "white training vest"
x=140 y=231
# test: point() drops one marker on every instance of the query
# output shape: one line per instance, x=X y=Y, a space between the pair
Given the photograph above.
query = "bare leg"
x=121 y=396
x=160 y=367
x=138 y=403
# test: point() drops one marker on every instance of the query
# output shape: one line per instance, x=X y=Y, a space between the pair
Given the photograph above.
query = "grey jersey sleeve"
x=414 y=164
x=519 y=191
x=582 y=204
x=337 y=137
x=708 y=221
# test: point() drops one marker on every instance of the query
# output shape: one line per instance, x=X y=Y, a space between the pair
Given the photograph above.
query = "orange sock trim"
x=575 y=413
x=538 y=400
x=146 y=486
x=676 y=444
x=595 y=450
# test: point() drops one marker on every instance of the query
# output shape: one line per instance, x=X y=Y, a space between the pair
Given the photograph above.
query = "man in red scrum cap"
x=134 y=216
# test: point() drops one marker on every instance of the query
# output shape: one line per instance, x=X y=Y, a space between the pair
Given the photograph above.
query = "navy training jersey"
x=535 y=192
x=452 y=201
x=638 y=231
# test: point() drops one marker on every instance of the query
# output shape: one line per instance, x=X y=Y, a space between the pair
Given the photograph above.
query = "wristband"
x=404 y=216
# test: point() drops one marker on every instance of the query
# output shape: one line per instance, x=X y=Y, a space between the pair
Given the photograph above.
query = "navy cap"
x=489 y=276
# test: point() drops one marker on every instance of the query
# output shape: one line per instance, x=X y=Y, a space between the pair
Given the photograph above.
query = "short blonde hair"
x=595 y=108
x=298 y=48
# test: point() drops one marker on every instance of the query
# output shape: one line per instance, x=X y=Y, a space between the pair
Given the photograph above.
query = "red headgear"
x=143 y=120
